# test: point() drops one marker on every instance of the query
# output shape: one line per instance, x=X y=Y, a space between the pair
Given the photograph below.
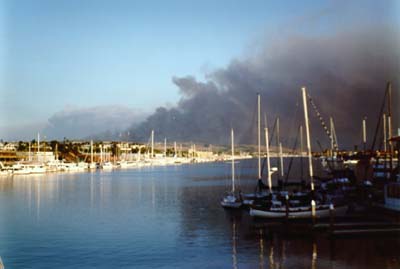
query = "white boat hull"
x=92 y=166
x=107 y=166
x=231 y=204
x=297 y=213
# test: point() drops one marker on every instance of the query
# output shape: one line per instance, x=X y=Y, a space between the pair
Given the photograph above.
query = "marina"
x=130 y=199
x=200 y=134
x=120 y=218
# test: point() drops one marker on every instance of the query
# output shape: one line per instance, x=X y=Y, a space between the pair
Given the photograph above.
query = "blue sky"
x=65 y=53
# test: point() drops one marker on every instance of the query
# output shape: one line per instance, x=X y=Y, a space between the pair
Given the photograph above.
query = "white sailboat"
x=231 y=199
x=261 y=193
x=291 y=209
x=91 y=165
x=107 y=166
x=3 y=171
x=304 y=212
x=27 y=168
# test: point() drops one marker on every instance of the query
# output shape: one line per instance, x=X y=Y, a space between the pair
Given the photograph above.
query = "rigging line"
x=381 y=135
x=379 y=119
x=293 y=126
x=250 y=130
x=250 y=127
x=294 y=120
x=272 y=133
x=269 y=144
x=334 y=137
x=334 y=134
x=291 y=159
x=319 y=116
x=319 y=145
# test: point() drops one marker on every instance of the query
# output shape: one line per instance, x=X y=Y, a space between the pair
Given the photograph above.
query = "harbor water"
x=159 y=217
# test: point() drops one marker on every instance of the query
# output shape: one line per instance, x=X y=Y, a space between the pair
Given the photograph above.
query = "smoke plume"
x=345 y=74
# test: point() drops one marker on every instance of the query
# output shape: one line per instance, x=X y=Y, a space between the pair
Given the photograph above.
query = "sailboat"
x=91 y=165
x=298 y=205
x=263 y=191
x=231 y=199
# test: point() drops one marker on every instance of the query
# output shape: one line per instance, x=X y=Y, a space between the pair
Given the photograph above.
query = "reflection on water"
x=262 y=251
x=314 y=255
x=157 y=217
x=234 y=239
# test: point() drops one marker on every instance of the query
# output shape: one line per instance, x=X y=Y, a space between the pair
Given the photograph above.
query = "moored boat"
x=298 y=212
x=303 y=206
x=107 y=166
x=232 y=199
x=26 y=169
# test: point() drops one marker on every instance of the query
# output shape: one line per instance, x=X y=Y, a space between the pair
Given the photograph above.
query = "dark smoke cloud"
x=78 y=123
x=345 y=73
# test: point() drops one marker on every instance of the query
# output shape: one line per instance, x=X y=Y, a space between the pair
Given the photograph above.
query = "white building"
x=9 y=147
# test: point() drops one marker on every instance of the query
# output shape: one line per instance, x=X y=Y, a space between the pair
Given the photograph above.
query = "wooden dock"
x=365 y=231
x=332 y=227
x=358 y=228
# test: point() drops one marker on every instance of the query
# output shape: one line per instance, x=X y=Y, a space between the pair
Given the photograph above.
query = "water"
x=161 y=217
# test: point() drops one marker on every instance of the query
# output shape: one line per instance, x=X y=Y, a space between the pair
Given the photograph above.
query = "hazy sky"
x=64 y=55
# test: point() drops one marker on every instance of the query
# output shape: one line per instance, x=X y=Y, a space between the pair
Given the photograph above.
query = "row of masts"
x=104 y=156
x=386 y=133
x=165 y=145
x=232 y=200
x=309 y=153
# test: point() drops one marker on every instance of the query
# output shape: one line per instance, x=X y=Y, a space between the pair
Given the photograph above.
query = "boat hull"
x=297 y=214
x=225 y=204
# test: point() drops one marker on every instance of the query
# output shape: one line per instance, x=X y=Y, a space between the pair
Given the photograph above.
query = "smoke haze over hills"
x=77 y=123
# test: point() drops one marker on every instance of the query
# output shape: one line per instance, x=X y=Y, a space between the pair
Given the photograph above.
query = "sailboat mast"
x=308 y=137
x=331 y=136
x=152 y=143
x=259 y=134
x=165 y=147
x=364 y=127
x=91 y=151
x=233 y=161
x=389 y=118
x=277 y=147
x=268 y=159
x=38 y=146
x=281 y=159
x=384 y=132
x=175 y=149
x=301 y=152
x=335 y=141
x=57 y=151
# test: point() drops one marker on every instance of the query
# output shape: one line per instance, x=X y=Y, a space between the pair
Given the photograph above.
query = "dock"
x=358 y=228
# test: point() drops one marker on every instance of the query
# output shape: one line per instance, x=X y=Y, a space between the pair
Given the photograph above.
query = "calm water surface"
x=160 y=217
